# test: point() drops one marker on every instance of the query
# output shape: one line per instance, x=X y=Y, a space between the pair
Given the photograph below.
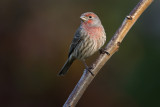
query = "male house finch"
x=89 y=38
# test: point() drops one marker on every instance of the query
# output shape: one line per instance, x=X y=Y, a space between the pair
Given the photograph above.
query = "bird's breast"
x=98 y=35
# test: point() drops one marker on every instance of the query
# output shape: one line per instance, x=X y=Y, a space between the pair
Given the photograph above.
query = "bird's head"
x=90 y=19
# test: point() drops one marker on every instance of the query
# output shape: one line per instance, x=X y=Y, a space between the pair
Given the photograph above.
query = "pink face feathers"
x=91 y=24
x=90 y=19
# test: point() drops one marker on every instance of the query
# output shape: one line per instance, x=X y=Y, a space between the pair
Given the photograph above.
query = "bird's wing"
x=76 y=40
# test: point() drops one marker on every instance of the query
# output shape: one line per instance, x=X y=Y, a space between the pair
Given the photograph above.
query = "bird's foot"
x=89 y=70
x=102 y=51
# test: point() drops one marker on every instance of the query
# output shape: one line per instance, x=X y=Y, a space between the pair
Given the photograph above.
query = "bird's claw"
x=89 y=70
x=102 y=51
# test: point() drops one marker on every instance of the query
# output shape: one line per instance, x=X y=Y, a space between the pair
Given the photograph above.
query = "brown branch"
x=111 y=48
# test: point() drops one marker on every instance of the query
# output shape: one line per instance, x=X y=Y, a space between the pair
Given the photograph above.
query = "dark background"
x=34 y=40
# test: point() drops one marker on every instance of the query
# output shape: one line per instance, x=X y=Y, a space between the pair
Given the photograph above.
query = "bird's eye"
x=90 y=17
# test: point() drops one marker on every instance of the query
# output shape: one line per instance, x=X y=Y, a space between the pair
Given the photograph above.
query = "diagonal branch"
x=111 y=48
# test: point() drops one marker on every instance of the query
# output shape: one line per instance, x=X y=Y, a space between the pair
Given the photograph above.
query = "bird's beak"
x=83 y=18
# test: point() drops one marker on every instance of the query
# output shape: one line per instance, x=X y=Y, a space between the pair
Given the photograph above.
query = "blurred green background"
x=34 y=40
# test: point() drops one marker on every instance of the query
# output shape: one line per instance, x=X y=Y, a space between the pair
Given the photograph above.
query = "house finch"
x=89 y=38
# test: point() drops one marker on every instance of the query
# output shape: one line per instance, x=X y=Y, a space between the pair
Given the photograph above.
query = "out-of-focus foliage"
x=34 y=39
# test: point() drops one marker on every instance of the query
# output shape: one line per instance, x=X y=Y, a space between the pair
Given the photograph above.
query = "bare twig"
x=111 y=48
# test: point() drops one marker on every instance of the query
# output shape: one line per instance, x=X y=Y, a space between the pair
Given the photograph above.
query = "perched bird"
x=89 y=38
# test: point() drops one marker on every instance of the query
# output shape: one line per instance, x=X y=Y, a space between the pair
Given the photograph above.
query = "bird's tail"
x=66 y=66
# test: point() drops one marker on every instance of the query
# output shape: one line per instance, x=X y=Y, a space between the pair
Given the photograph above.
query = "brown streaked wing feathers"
x=76 y=40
